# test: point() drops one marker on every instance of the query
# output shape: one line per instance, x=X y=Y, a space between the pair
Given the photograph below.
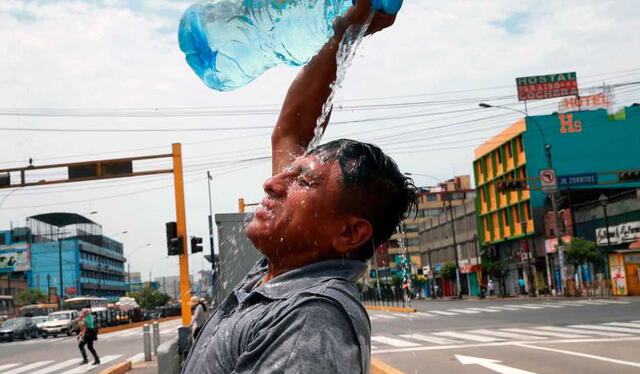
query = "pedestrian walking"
x=199 y=311
x=491 y=287
x=88 y=334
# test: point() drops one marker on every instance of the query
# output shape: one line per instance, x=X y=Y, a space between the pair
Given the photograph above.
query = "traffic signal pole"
x=181 y=221
x=557 y=220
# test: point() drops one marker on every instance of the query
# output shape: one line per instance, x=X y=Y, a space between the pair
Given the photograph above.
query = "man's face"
x=298 y=216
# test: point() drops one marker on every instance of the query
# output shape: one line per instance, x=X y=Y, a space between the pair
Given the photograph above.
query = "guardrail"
x=386 y=296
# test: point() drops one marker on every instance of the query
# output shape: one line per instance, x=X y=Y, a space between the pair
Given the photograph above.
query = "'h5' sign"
x=568 y=125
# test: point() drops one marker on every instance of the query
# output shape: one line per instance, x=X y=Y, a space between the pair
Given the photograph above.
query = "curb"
x=120 y=368
x=379 y=367
x=135 y=324
x=391 y=308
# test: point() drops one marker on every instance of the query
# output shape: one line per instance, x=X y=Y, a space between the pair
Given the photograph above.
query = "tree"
x=150 y=298
x=580 y=252
x=448 y=271
x=30 y=296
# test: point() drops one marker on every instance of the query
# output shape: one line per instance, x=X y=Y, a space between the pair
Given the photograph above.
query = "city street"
x=511 y=336
x=61 y=355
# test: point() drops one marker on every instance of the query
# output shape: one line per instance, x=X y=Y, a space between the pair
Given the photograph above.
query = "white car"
x=39 y=322
x=65 y=322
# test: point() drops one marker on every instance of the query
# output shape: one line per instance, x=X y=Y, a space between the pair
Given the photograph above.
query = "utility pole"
x=455 y=245
x=557 y=221
x=60 y=268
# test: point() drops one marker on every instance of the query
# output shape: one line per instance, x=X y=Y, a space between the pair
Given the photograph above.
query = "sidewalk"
x=144 y=367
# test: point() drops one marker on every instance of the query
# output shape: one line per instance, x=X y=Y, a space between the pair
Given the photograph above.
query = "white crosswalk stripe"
x=547 y=305
x=430 y=339
x=506 y=334
x=8 y=366
x=504 y=308
x=527 y=307
x=467 y=336
x=579 y=331
x=423 y=314
x=624 y=324
x=442 y=312
x=384 y=316
x=464 y=311
x=56 y=367
x=489 y=310
x=402 y=315
x=393 y=342
x=543 y=333
x=607 y=328
x=28 y=368
x=85 y=368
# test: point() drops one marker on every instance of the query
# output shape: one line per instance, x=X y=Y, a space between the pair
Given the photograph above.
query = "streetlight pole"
x=213 y=255
x=49 y=288
x=554 y=195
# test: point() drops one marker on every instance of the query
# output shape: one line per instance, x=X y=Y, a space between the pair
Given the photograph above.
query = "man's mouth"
x=265 y=209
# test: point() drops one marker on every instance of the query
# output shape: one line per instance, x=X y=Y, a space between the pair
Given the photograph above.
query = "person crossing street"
x=88 y=334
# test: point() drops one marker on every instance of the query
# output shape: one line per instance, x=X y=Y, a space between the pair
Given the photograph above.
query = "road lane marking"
x=505 y=334
x=430 y=339
x=27 y=368
x=490 y=310
x=505 y=308
x=441 y=312
x=493 y=365
x=8 y=366
x=465 y=311
x=385 y=316
x=528 y=306
x=405 y=315
x=547 y=305
x=580 y=354
x=606 y=328
x=466 y=336
x=501 y=344
x=579 y=331
x=56 y=367
x=393 y=342
x=423 y=314
x=543 y=333
x=85 y=368
x=624 y=324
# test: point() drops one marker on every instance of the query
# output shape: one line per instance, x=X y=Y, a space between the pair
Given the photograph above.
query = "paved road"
x=61 y=355
x=532 y=336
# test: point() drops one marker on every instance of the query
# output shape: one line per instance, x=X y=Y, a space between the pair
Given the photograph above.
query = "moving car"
x=65 y=322
x=21 y=327
x=39 y=322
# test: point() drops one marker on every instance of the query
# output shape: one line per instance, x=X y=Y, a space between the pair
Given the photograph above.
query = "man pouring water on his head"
x=324 y=213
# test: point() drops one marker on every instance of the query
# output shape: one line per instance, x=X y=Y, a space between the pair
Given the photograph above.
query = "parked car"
x=65 y=322
x=39 y=322
x=15 y=328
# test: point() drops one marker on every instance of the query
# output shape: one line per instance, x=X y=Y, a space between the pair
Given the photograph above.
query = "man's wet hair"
x=374 y=188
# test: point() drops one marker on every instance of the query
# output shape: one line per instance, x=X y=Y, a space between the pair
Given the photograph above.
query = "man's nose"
x=276 y=185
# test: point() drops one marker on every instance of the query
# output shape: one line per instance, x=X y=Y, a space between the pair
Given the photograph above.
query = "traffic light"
x=512 y=185
x=196 y=244
x=629 y=176
x=175 y=243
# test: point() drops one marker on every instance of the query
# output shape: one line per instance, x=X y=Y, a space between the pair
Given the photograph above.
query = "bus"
x=36 y=310
x=98 y=304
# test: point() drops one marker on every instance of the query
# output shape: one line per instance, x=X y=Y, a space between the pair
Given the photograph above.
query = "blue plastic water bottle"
x=228 y=43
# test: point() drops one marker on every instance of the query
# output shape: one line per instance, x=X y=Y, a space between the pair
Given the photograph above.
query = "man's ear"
x=355 y=232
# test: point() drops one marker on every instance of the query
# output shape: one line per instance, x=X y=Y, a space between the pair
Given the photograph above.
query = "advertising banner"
x=551 y=245
x=618 y=275
x=627 y=232
x=547 y=86
x=589 y=102
x=14 y=258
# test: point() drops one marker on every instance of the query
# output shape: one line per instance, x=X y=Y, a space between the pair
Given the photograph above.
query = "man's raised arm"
x=311 y=88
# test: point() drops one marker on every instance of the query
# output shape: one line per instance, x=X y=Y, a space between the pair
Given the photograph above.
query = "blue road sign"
x=578 y=179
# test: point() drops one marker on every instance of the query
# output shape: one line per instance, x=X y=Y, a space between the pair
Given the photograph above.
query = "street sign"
x=547 y=86
x=548 y=181
x=578 y=179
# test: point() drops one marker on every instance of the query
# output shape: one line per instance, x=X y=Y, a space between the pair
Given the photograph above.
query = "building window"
x=432 y=197
x=508 y=150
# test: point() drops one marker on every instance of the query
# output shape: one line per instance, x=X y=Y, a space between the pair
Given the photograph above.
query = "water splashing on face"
x=346 y=52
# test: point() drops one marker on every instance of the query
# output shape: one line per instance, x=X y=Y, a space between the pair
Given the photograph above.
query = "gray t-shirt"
x=308 y=320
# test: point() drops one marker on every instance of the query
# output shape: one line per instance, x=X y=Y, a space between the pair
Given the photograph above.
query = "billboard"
x=541 y=87
x=14 y=258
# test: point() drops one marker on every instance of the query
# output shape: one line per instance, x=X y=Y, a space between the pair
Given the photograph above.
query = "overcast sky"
x=412 y=89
